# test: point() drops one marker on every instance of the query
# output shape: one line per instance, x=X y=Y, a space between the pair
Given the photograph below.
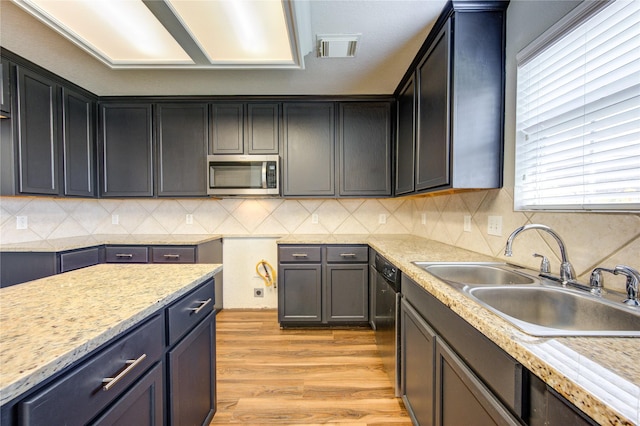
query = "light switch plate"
x=494 y=226
x=467 y=223
x=22 y=222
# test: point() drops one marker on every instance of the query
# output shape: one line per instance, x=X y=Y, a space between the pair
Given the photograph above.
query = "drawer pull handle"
x=203 y=303
x=348 y=254
x=171 y=256
x=300 y=255
x=124 y=255
x=110 y=382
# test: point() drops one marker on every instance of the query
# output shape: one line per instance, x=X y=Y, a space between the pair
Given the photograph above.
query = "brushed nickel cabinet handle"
x=203 y=303
x=124 y=255
x=348 y=254
x=110 y=382
x=300 y=255
x=171 y=256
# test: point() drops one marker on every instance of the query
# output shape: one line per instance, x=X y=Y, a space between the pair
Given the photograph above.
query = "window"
x=578 y=112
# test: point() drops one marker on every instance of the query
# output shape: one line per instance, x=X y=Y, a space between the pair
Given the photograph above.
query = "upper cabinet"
x=457 y=83
x=79 y=142
x=364 y=149
x=309 y=149
x=126 y=146
x=357 y=163
x=238 y=128
x=182 y=135
x=5 y=88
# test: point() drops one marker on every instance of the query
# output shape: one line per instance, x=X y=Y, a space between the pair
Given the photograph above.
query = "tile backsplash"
x=592 y=239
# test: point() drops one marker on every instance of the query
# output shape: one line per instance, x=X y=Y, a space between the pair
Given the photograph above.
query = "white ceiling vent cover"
x=337 y=46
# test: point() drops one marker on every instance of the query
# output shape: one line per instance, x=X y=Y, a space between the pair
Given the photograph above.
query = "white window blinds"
x=578 y=112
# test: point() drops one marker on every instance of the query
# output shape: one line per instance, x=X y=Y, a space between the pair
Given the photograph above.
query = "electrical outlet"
x=382 y=218
x=115 y=219
x=314 y=218
x=22 y=222
x=423 y=218
x=189 y=219
x=258 y=292
x=494 y=226
x=467 y=223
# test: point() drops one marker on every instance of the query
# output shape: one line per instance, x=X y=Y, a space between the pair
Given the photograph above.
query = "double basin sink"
x=535 y=305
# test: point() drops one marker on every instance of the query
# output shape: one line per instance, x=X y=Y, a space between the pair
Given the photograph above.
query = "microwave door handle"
x=264 y=174
x=212 y=178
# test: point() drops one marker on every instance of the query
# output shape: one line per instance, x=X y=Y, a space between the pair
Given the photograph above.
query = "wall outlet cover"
x=115 y=219
x=467 y=223
x=423 y=218
x=314 y=218
x=189 y=219
x=258 y=292
x=382 y=218
x=494 y=226
x=22 y=222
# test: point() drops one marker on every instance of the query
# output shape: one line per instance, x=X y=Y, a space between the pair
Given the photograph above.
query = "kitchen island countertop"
x=49 y=323
x=599 y=375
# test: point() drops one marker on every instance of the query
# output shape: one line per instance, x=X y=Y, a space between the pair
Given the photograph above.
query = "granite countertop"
x=72 y=243
x=47 y=324
x=599 y=375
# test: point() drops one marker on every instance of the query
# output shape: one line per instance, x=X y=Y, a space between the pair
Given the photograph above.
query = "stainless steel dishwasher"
x=386 y=316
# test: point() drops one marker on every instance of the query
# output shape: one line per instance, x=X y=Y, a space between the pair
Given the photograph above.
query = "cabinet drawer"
x=173 y=254
x=80 y=394
x=126 y=254
x=289 y=254
x=184 y=314
x=358 y=254
x=79 y=259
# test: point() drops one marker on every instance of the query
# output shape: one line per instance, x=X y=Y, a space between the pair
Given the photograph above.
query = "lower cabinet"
x=192 y=385
x=139 y=377
x=323 y=285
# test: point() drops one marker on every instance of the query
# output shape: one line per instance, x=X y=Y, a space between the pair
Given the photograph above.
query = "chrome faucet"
x=567 y=274
x=633 y=278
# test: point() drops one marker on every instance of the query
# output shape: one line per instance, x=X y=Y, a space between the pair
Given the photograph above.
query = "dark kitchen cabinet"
x=451 y=373
x=309 y=149
x=126 y=150
x=182 y=135
x=192 y=376
x=317 y=289
x=458 y=84
x=79 y=142
x=5 y=88
x=364 y=149
x=141 y=405
x=38 y=134
x=239 y=128
x=432 y=152
x=405 y=140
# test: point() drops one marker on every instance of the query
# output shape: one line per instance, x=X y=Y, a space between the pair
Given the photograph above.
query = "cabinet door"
x=263 y=128
x=417 y=345
x=365 y=149
x=309 y=151
x=37 y=134
x=5 y=88
x=300 y=293
x=227 y=129
x=406 y=142
x=461 y=398
x=346 y=293
x=78 y=138
x=140 y=406
x=182 y=136
x=432 y=151
x=127 y=160
x=192 y=376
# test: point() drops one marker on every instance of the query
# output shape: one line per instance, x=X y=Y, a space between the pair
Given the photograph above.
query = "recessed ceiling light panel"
x=115 y=31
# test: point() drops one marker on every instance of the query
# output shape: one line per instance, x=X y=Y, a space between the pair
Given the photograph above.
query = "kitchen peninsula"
x=61 y=332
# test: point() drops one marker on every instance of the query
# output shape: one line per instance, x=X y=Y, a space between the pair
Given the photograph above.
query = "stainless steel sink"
x=476 y=273
x=535 y=305
x=552 y=311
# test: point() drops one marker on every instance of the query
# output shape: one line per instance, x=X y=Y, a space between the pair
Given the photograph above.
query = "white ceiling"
x=392 y=32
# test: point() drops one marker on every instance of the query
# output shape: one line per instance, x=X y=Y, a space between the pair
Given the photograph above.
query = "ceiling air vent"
x=337 y=46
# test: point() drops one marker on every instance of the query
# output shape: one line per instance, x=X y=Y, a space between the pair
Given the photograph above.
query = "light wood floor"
x=268 y=376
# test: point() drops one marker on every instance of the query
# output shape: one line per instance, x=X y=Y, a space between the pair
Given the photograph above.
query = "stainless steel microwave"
x=243 y=175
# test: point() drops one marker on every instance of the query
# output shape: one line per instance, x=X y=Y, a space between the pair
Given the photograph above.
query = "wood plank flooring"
x=268 y=376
